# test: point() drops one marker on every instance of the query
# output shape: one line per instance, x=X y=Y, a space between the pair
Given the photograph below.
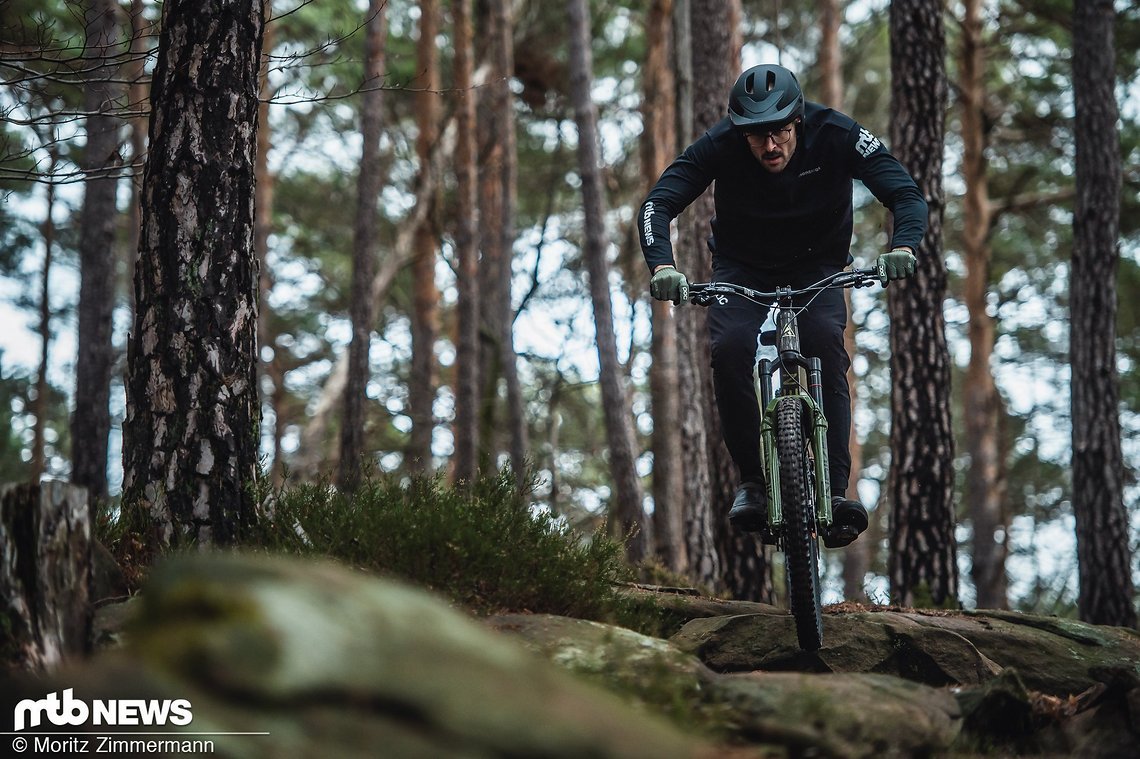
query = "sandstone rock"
x=832 y=715
x=840 y=715
x=1052 y=655
x=331 y=662
x=680 y=605
x=649 y=671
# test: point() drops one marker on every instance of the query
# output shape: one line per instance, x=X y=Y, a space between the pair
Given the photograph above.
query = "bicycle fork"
x=813 y=405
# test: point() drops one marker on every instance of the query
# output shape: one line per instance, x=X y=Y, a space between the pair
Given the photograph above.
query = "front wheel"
x=801 y=547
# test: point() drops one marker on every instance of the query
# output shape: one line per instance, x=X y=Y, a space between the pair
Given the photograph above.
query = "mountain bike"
x=793 y=439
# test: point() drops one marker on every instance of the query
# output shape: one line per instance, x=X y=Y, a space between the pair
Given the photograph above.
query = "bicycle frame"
x=786 y=442
x=800 y=377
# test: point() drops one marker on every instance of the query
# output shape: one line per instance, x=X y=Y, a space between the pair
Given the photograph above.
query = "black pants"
x=733 y=330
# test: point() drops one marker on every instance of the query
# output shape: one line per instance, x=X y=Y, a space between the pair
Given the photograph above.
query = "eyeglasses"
x=778 y=136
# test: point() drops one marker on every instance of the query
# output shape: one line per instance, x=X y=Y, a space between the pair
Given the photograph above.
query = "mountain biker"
x=783 y=200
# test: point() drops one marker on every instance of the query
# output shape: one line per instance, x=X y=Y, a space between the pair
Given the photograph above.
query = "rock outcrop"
x=327 y=661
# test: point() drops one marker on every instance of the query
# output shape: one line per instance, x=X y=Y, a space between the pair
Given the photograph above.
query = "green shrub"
x=482 y=544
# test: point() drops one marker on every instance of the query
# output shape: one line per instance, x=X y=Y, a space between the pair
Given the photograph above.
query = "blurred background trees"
x=521 y=382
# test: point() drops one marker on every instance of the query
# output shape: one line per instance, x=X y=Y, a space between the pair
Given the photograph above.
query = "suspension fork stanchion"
x=819 y=444
x=768 y=458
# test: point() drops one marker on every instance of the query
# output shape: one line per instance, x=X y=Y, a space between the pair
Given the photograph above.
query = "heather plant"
x=483 y=543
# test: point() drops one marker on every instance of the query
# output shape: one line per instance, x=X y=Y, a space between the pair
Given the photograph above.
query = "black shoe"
x=848 y=521
x=749 y=511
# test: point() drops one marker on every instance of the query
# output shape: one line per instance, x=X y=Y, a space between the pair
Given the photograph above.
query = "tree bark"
x=657 y=141
x=271 y=364
x=45 y=574
x=503 y=65
x=716 y=61
x=191 y=434
x=982 y=404
x=1103 y=552
x=923 y=560
x=466 y=429
x=40 y=406
x=626 y=510
x=857 y=556
x=91 y=421
x=425 y=295
x=139 y=105
x=364 y=247
x=490 y=157
x=497 y=171
x=830 y=53
x=692 y=340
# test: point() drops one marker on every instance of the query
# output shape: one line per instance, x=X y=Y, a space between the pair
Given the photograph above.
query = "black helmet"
x=765 y=97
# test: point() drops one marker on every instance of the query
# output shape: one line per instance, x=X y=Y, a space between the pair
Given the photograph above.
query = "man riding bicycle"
x=783 y=198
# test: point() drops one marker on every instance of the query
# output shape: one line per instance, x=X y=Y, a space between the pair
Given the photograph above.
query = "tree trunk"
x=191 y=433
x=831 y=53
x=271 y=367
x=657 y=141
x=364 y=246
x=490 y=158
x=692 y=342
x=496 y=218
x=857 y=556
x=425 y=295
x=626 y=510
x=716 y=56
x=923 y=559
x=91 y=421
x=466 y=391
x=45 y=574
x=40 y=406
x=138 y=105
x=503 y=65
x=982 y=404
x=1098 y=473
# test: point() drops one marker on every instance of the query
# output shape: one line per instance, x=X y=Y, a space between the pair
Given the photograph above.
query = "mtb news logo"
x=69 y=710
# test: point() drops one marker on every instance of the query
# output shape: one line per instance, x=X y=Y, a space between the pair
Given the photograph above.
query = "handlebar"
x=702 y=293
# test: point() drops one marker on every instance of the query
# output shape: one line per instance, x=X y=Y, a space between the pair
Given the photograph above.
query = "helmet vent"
x=771 y=80
x=750 y=85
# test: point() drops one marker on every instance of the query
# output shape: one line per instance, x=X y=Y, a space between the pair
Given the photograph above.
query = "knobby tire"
x=801 y=547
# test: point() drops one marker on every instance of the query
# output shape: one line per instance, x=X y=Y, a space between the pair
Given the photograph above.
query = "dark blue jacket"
x=800 y=216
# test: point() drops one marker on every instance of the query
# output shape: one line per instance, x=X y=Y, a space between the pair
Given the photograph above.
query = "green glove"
x=898 y=264
x=669 y=284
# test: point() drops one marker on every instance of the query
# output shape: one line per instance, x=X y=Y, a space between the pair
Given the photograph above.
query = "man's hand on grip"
x=669 y=284
x=898 y=264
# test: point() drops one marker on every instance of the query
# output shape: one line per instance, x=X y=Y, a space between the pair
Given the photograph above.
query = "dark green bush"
x=481 y=544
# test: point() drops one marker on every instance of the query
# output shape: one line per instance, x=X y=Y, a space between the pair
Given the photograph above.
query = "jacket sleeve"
x=885 y=177
x=682 y=183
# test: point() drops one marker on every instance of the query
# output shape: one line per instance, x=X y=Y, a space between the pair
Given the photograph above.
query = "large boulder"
x=886 y=643
x=625 y=660
x=852 y=715
x=327 y=661
x=1053 y=656
x=840 y=715
x=332 y=662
